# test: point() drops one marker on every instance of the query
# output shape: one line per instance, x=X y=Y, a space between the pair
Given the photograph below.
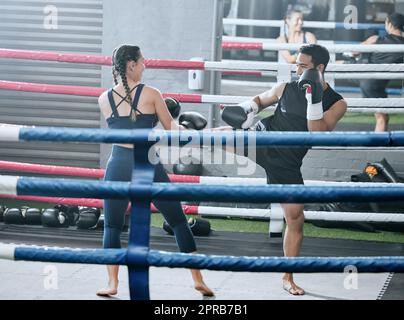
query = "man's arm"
x=371 y=40
x=242 y=115
x=330 y=117
x=270 y=97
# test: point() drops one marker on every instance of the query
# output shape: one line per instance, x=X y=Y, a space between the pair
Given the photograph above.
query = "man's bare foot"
x=111 y=290
x=292 y=288
x=204 y=289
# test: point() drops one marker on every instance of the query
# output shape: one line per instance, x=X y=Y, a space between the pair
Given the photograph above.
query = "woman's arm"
x=311 y=38
x=104 y=106
x=162 y=112
x=289 y=58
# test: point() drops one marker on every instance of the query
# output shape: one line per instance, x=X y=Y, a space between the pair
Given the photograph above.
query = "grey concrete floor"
x=22 y=280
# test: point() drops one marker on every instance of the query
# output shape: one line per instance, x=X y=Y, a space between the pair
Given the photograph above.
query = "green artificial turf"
x=241 y=225
x=351 y=117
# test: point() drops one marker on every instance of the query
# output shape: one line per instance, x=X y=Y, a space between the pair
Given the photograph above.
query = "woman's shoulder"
x=310 y=37
x=103 y=96
x=103 y=103
x=151 y=90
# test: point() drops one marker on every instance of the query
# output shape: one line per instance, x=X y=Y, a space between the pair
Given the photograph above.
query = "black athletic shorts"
x=280 y=175
x=374 y=88
x=277 y=171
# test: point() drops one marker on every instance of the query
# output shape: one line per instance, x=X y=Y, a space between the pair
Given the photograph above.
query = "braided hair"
x=120 y=58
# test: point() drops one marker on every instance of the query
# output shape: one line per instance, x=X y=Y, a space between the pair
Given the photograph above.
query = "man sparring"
x=308 y=104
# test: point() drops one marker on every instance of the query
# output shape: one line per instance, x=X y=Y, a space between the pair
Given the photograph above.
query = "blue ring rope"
x=197 y=192
x=276 y=264
x=361 y=26
x=392 y=91
x=63 y=255
x=141 y=136
x=215 y=262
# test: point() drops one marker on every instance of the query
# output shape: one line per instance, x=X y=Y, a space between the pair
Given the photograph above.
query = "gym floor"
x=27 y=280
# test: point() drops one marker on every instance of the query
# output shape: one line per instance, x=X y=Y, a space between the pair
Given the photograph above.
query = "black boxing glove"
x=173 y=106
x=312 y=82
x=88 y=217
x=242 y=115
x=192 y=120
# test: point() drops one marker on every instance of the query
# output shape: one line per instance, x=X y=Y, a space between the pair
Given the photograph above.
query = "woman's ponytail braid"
x=120 y=58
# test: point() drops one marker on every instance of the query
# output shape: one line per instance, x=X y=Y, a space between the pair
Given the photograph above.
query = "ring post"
x=276 y=222
x=139 y=236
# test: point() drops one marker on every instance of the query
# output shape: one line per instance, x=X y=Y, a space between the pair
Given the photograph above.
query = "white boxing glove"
x=251 y=109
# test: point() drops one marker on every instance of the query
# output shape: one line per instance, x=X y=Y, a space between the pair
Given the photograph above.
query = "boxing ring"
x=138 y=257
x=391 y=105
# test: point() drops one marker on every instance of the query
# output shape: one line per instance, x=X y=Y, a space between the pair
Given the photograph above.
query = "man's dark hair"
x=319 y=54
x=397 y=20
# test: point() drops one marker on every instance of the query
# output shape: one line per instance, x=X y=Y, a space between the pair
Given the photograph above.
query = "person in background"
x=294 y=33
x=376 y=88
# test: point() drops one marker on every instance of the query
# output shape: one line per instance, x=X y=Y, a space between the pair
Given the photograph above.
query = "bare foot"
x=111 y=290
x=204 y=289
x=292 y=288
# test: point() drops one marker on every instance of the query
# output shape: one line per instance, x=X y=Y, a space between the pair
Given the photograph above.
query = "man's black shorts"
x=280 y=175
x=278 y=171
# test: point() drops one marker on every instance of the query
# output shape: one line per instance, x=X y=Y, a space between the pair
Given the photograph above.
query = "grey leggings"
x=119 y=168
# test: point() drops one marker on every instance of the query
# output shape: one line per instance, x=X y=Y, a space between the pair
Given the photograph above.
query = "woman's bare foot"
x=111 y=290
x=199 y=284
x=292 y=288
x=204 y=289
